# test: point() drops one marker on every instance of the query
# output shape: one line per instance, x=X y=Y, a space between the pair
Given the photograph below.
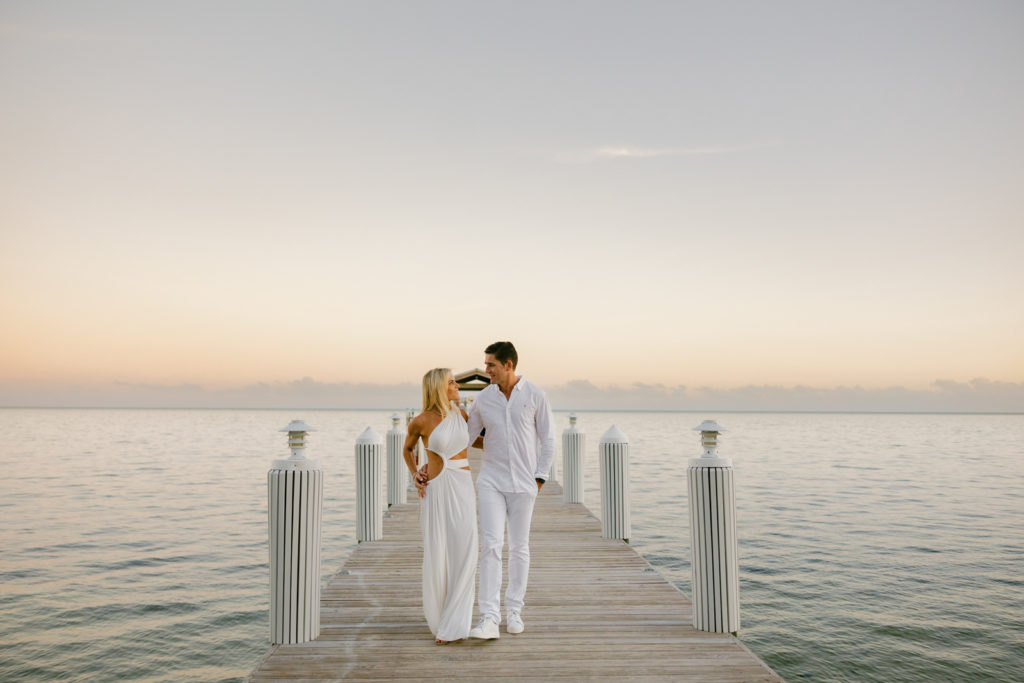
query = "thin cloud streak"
x=616 y=152
x=978 y=395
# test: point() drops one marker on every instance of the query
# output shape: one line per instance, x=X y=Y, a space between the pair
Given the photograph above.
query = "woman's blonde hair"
x=435 y=391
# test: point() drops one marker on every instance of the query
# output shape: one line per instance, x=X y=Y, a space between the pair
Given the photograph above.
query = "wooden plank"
x=596 y=610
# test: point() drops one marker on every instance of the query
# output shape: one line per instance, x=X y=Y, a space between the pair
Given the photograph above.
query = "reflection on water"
x=873 y=547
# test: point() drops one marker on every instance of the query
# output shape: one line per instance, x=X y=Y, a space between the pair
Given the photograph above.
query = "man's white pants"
x=496 y=510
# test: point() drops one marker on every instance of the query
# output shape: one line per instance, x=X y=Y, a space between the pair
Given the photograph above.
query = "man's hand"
x=540 y=483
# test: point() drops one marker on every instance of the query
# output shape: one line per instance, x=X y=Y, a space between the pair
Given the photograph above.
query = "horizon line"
x=553 y=410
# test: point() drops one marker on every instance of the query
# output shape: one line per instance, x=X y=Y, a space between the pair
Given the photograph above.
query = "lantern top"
x=297 y=426
x=708 y=426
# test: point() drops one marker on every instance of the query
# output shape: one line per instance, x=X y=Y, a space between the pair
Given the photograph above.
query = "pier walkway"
x=595 y=610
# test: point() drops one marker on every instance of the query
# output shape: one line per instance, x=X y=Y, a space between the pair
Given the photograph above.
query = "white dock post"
x=295 y=494
x=398 y=473
x=713 y=539
x=573 y=440
x=369 y=503
x=614 y=456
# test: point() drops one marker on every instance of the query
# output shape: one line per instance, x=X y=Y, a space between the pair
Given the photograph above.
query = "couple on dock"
x=508 y=419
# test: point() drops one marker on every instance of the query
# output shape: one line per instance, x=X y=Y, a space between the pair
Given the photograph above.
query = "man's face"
x=495 y=370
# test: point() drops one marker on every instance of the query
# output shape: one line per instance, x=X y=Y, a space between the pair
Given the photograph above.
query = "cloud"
x=978 y=395
x=614 y=152
x=302 y=393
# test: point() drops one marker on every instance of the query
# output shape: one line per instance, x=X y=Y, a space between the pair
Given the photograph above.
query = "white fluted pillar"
x=398 y=473
x=295 y=494
x=369 y=502
x=614 y=456
x=713 y=538
x=573 y=448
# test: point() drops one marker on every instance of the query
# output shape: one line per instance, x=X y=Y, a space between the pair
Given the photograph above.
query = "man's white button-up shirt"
x=514 y=426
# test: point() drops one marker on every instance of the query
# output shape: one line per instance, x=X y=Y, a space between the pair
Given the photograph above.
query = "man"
x=513 y=415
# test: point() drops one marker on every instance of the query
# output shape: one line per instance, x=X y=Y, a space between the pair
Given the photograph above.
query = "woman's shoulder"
x=425 y=420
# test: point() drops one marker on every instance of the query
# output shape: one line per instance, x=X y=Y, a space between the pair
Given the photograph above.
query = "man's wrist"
x=541 y=481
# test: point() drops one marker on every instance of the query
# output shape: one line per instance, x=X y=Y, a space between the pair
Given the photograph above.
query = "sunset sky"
x=724 y=195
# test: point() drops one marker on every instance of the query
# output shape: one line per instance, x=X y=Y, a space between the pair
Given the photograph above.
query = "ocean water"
x=872 y=547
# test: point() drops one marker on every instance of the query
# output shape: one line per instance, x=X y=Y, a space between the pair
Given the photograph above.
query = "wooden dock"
x=595 y=609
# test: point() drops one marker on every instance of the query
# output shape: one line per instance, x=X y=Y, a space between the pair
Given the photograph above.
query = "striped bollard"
x=369 y=503
x=614 y=457
x=295 y=495
x=713 y=542
x=573 y=440
x=398 y=473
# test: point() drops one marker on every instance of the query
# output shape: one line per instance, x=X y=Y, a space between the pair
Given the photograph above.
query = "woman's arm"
x=409 y=450
x=419 y=477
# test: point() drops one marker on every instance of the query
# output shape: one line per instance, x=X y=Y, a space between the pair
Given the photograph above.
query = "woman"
x=448 y=511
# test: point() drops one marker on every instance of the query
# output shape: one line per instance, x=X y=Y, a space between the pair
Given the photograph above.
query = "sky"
x=662 y=204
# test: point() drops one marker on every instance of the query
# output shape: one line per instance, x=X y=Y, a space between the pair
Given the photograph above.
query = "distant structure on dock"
x=471 y=380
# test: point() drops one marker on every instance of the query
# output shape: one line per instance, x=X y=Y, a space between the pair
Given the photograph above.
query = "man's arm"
x=545 y=425
x=479 y=442
x=475 y=423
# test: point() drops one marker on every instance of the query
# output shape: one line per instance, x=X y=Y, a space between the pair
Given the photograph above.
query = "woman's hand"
x=420 y=480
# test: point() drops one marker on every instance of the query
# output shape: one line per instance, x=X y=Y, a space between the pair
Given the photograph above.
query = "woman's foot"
x=438 y=641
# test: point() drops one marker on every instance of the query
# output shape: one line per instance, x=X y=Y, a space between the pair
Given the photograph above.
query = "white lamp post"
x=295 y=487
x=713 y=538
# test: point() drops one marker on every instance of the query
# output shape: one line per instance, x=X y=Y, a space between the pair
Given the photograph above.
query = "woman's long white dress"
x=448 y=518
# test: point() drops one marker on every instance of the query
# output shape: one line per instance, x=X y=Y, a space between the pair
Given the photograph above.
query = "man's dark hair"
x=503 y=351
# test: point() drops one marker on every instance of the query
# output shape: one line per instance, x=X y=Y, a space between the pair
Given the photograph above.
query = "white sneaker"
x=514 y=623
x=487 y=629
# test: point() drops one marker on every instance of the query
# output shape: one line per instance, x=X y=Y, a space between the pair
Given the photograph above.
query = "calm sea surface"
x=872 y=547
